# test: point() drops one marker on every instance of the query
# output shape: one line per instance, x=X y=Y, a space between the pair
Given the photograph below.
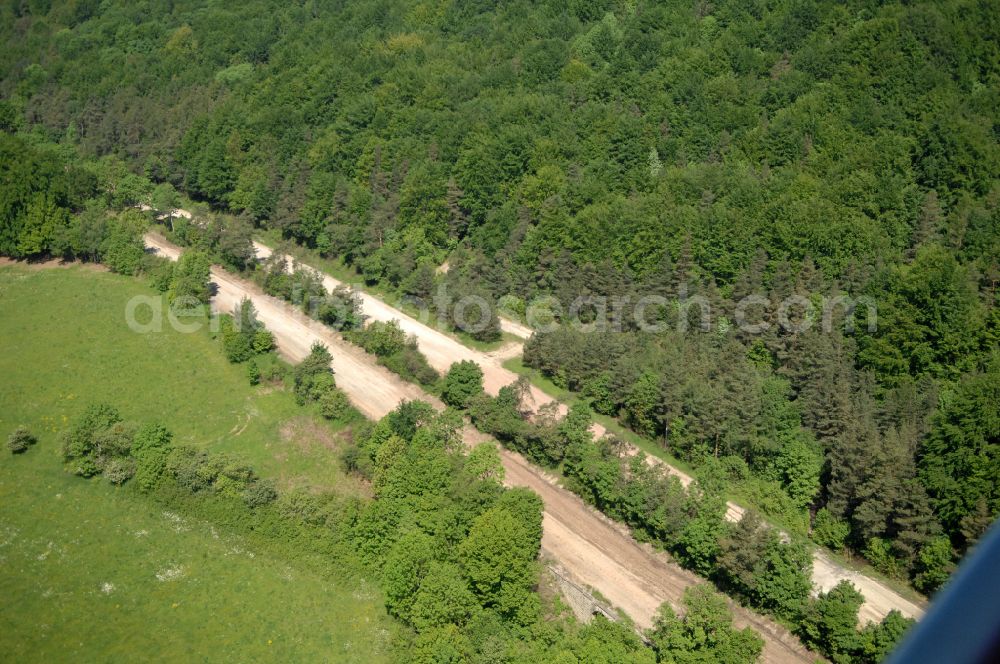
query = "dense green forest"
x=609 y=148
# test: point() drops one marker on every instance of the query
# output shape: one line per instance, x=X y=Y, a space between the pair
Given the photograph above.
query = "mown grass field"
x=67 y=345
x=90 y=572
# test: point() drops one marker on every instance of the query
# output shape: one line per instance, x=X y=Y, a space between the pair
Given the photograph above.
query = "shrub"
x=276 y=280
x=243 y=336
x=259 y=493
x=119 y=470
x=192 y=469
x=263 y=341
x=704 y=633
x=356 y=460
x=829 y=531
x=150 y=447
x=442 y=644
x=830 y=625
x=698 y=543
x=760 y=565
x=234 y=74
x=442 y=598
x=381 y=339
x=770 y=497
x=236 y=469
x=934 y=564
x=411 y=364
x=334 y=405
x=877 y=641
x=599 y=390
x=309 y=508
x=20 y=440
x=463 y=381
x=879 y=553
x=238 y=347
x=123 y=249
x=113 y=441
x=341 y=309
x=318 y=386
x=235 y=243
x=191 y=278
x=735 y=467
x=253 y=373
x=234 y=475
x=473 y=314
x=275 y=373
x=313 y=375
x=395 y=351
x=77 y=442
x=160 y=271
x=410 y=416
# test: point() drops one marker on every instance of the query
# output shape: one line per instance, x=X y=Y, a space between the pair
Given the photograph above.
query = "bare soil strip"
x=594 y=550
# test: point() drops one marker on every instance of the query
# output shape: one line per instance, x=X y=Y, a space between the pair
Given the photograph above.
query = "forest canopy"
x=611 y=148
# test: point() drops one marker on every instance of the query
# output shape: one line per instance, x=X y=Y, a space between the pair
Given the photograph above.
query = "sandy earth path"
x=295 y=333
x=594 y=550
x=440 y=349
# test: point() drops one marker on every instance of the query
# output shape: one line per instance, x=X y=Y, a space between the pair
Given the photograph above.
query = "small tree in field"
x=333 y=404
x=237 y=346
x=243 y=335
x=190 y=279
x=20 y=440
x=313 y=375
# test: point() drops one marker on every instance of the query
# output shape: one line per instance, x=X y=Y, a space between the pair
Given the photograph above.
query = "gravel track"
x=594 y=550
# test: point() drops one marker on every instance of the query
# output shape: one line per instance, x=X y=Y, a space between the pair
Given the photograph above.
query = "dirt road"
x=295 y=333
x=603 y=555
x=515 y=328
x=441 y=350
x=594 y=550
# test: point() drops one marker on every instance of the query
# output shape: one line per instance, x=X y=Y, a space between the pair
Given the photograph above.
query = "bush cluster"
x=20 y=439
x=395 y=351
x=99 y=442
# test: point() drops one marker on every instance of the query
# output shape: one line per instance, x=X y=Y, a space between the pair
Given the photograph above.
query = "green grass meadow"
x=67 y=345
x=90 y=572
